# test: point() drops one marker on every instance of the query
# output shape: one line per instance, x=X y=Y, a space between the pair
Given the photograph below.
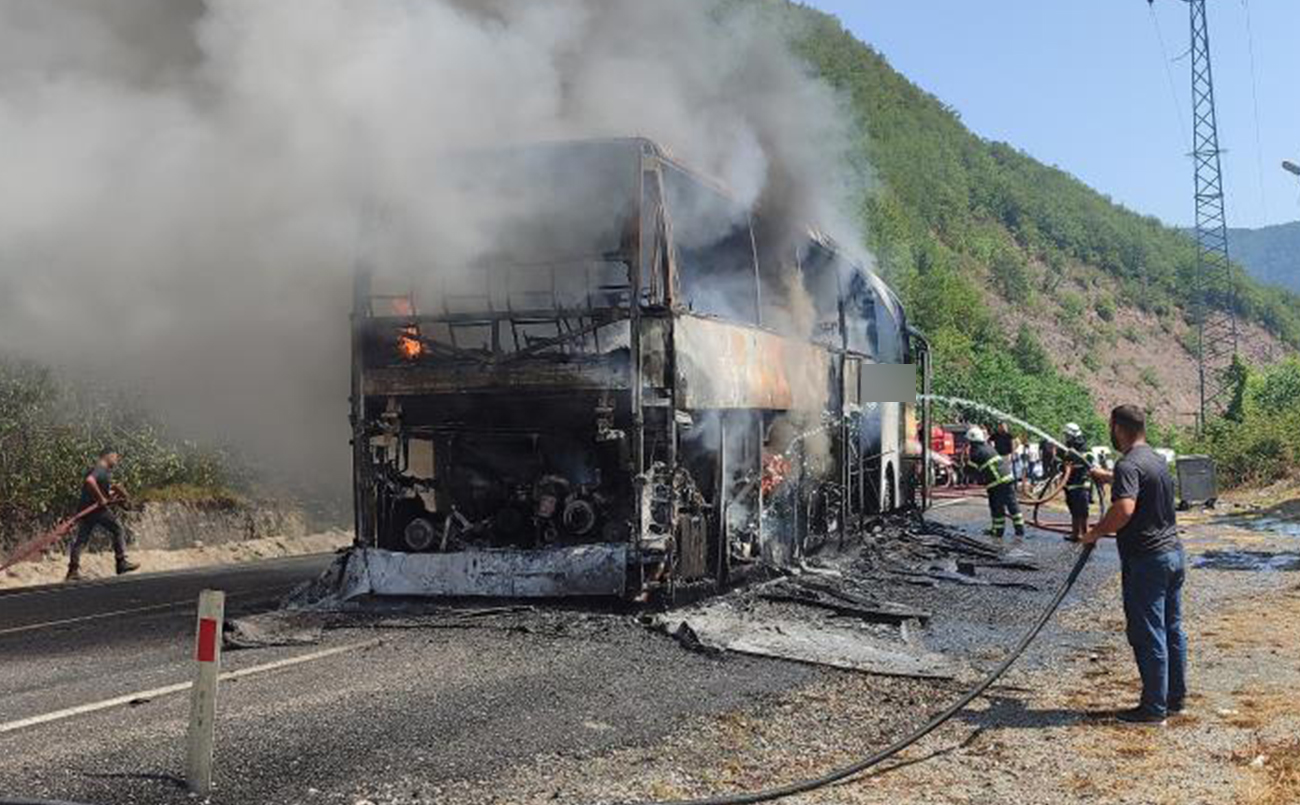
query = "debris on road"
x=839 y=613
x=276 y=628
x=727 y=625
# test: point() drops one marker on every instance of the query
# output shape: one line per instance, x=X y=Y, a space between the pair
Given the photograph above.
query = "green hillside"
x=1271 y=254
x=958 y=223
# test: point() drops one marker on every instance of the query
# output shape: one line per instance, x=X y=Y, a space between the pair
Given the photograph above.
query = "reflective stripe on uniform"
x=992 y=466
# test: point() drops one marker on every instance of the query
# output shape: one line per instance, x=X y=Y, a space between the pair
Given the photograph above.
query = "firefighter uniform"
x=1078 y=489
x=994 y=471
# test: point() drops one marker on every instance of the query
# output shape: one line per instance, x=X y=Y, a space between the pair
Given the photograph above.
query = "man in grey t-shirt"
x=97 y=492
x=1153 y=565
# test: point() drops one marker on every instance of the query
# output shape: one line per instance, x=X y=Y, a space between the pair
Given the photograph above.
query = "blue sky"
x=1081 y=84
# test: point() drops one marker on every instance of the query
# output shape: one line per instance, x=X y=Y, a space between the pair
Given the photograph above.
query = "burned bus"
x=640 y=385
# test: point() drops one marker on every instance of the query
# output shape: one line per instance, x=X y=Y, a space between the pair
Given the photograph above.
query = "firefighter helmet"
x=976 y=435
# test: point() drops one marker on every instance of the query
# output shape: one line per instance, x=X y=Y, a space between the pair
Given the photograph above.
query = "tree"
x=1030 y=354
x=1237 y=377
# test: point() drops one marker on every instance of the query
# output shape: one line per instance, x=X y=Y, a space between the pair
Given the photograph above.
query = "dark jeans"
x=1153 y=608
x=100 y=519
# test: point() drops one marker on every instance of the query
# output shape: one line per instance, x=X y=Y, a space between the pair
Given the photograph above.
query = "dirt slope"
x=1120 y=352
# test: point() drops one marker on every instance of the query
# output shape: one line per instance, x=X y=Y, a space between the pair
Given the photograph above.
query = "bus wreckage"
x=646 y=385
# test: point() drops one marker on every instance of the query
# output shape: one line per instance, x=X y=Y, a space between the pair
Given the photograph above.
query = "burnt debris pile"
x=925 y=553
x=902 y=597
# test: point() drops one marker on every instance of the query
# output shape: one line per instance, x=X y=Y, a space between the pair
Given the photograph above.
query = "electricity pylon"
x=1215 y=303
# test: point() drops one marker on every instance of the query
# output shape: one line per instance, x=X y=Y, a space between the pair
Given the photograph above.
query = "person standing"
x=994 y=471
x=97 y=492
x=1078 y=481
x=1002 y=439
x=1047 y=449
x=1034 y=455
x=1152 y=563
x=1017 y=460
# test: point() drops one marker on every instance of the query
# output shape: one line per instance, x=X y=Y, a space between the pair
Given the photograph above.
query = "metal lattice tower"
x=1214 y=306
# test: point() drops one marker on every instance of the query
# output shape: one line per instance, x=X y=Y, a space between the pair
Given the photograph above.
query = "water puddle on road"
x=1268 y=525
x=1247 y=560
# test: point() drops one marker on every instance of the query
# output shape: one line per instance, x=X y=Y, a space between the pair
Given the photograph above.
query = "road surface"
x=462 y=703
x=405 y=707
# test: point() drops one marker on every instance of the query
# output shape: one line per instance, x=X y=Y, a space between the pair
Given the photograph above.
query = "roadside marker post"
x=203 y=696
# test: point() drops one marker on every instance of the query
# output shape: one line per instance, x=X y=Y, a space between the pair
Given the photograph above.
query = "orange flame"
x=409 y=343
x=776 y=469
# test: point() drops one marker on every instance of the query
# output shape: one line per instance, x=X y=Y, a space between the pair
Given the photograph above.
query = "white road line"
x=154 y=693
x=97 y=616
x=189 y=602
x=132 y=579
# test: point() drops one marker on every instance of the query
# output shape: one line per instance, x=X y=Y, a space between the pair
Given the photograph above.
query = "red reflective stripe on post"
x=207 y=648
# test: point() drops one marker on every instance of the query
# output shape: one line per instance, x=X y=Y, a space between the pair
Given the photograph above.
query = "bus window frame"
x=679 y=297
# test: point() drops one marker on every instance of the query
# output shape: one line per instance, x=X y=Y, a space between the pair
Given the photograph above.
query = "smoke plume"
x=187 y=182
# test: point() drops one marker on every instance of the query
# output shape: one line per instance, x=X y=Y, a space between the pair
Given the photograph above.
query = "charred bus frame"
x=624 y=421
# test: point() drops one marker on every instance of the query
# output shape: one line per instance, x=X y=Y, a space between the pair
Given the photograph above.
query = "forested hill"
x=1271 y=254
x=1017 y=269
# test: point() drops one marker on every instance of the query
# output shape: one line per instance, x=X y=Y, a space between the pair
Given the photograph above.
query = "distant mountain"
x=1038 y=294
x=1270 y=254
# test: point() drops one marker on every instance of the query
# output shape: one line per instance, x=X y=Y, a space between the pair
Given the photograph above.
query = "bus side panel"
x=726 y=366
x=891 y=455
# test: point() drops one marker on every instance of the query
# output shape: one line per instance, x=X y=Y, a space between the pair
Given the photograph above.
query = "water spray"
x=995 y=413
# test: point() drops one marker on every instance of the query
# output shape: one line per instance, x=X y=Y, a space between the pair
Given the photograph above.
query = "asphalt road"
x=64 y=645
x=455 y=703
x=442 y=711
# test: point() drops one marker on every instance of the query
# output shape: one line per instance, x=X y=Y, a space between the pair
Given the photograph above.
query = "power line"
x=1169 y=74
x=1254 y=92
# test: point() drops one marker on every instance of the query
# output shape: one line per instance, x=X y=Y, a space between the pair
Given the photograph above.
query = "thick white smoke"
x=185 y=182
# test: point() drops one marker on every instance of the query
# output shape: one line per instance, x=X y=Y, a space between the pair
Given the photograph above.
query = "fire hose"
x=938 y=720
x=958 y=492
x=39 y=544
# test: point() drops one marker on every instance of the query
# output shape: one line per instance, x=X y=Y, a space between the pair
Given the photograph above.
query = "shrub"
x=1072 y=305
x=51 y=433
x=1029 y=352
x=1011 y=275
x=1260 y=442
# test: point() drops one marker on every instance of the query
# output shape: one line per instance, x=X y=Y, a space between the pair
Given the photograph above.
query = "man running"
x=97 y=491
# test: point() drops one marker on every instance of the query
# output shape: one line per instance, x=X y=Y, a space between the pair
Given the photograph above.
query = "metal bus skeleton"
x=644 y=386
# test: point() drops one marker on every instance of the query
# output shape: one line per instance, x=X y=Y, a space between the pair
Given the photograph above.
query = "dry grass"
x=1276 y=778
x=1266 y=631
x=1250 y=640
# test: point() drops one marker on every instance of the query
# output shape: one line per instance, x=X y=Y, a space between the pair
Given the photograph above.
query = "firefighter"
x=97 y=491
x=994 y=471
x=1078 y=482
